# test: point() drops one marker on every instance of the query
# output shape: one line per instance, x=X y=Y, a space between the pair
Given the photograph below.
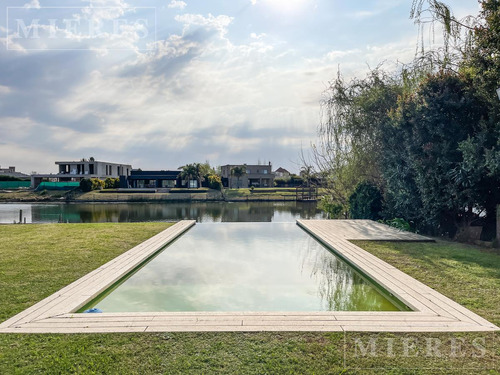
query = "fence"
x=57 y=186
x=14 y=184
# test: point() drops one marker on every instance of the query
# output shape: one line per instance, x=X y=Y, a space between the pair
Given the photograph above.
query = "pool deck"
x=433 y=312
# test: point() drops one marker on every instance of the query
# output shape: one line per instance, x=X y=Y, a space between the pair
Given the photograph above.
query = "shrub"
x=111 y=183
x=365 y=202
x=333 y=209
x=86 y=185
x=281 y=181
x=214 y=182
x=398 y=223
x=97 y=184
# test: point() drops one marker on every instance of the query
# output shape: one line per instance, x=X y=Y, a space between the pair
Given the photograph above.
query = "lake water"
x=244 y=267
x=202 y=212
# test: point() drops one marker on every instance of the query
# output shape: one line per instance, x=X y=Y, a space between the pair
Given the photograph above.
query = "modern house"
x=75 y=171
x=255 y=175
x=282 y=173
x=11 y=172
x=153 y=179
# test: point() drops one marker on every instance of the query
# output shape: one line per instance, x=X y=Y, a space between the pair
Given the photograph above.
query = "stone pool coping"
x=433 y=311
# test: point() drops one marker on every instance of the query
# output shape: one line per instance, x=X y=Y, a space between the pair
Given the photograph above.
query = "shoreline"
x=241 y=195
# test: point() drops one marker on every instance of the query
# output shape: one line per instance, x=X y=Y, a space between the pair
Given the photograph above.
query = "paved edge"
x=433 y=312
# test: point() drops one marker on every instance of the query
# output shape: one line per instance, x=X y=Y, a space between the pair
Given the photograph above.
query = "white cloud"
x=199 y=93
x=4 y=90
x=219 y=23
x=258 y=36
x=176 y=4
x=33 y=4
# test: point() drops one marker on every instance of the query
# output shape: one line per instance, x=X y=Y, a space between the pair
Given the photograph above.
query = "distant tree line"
x=421 y=143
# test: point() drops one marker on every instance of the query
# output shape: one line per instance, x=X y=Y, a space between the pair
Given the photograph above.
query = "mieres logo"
x=81 y=28
x=419 y=346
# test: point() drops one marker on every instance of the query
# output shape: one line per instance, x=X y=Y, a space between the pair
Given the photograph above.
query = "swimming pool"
x=245 y=267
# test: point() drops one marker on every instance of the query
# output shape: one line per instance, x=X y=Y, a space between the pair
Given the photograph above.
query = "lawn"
x=37 y=260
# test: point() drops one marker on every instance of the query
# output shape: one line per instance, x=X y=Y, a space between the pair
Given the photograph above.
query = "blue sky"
x=175 y=82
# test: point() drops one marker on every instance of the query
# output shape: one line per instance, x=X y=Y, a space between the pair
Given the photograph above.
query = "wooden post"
x=20 y=216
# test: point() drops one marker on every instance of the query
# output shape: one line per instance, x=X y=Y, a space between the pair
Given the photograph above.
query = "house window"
x=167 y=183
x=249 y=171
x=91 y=168
x=193 y=184
x=264 y=171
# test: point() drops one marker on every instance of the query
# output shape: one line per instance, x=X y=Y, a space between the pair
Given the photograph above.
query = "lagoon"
x=202 y=212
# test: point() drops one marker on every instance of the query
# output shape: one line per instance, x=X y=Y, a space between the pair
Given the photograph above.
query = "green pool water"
x=245 y=267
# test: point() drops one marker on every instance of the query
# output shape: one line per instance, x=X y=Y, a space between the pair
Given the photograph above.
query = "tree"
x=423 y=152
x=238 y=172
x=349 y=146
x=307 y=173
x=191 y=172
x=366 y=202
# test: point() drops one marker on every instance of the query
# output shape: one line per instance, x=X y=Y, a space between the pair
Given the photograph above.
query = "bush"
x=91 y=184
x=86 y=185
x=398 y=223
x=111 y=183
x=97 y=184
x=214 y=182
x=333 y=209
x=281 y=181
x=365 y=202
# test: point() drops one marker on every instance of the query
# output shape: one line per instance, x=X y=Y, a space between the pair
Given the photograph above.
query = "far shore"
x=176 y=195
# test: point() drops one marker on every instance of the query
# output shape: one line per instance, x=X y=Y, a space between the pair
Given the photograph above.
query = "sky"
x=162 y=83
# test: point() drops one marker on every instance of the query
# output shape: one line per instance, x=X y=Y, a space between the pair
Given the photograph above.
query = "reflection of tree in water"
x=302 y=210
x=339 y=286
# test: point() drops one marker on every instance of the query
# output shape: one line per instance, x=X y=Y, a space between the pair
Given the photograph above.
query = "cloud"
x=200 y=92
x=176 y=4
x=33 y=4
x=219 y=23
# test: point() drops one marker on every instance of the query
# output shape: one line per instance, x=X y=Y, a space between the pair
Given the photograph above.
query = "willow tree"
x=348 y=149
x=443 y=39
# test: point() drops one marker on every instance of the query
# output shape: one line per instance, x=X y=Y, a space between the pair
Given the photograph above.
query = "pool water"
x=245 y=267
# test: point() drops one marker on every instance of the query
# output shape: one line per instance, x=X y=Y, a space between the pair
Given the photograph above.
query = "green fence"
x=57 y=186
x=14 y=184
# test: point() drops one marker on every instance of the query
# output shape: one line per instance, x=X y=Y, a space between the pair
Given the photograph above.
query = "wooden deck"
x=433 y=312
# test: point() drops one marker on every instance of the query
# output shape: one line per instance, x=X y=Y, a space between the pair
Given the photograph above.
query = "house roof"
x=282 y=170
x=152 y=175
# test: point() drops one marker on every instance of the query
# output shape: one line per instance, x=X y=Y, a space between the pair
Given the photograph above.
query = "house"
x=254 y=175
x=282 y=173
x=11 y=172
x=154 y=179
x=75 y=171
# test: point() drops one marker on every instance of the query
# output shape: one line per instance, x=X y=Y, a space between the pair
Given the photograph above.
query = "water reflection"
x=340 y=287
x=137 y=212
x=245 y=267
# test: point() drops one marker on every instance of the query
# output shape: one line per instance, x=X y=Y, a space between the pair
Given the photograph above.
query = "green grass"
x=467 y=274
x=37 y=260
x=30 y=195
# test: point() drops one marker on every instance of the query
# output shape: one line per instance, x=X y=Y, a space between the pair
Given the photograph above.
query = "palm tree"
x=190 y=172
x=237 y=172
x=307 y=173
